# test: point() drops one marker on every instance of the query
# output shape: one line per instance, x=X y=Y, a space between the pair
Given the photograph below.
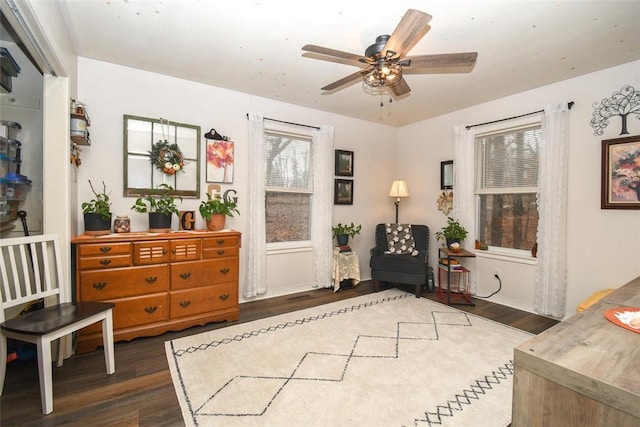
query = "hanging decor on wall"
x=621 y=173
x=167 y=157
x=220 y=158
x=623 y=103
x=445 y=202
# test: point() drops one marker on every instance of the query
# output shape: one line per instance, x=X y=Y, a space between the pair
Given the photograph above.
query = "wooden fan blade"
x=445 y=60
x=332 y=52
x=412 y=27
x=401 y=88
x=334 y=59
x=350 y=79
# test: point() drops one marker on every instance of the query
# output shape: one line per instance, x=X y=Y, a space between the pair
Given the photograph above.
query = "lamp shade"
x=399 y=189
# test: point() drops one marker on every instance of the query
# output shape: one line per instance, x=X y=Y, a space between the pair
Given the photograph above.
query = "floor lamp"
x=398 y=189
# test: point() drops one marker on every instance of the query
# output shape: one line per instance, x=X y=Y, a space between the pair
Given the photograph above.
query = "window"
x=289 y=187
x=507 y=187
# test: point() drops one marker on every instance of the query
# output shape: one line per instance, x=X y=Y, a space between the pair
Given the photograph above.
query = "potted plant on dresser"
x=215 y=211
x=97 y=212
x=160 y=208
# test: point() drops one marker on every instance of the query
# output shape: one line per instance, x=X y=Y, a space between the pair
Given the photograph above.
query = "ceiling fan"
x=385 y=61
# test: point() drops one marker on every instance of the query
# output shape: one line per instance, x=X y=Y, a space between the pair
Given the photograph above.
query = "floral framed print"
x=621 y=173
x=343 y=192
x=220 y=161
x=344 y=163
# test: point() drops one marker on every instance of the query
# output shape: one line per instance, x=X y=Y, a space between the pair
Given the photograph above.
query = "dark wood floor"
x=141 y=393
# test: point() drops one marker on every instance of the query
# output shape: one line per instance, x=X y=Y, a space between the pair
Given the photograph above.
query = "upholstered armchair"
x=398 y=264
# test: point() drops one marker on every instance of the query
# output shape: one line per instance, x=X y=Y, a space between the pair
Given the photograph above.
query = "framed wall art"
x=344 y=163
x=621 y=173
x=343 y=192
x=219 y=161
x=446 y=175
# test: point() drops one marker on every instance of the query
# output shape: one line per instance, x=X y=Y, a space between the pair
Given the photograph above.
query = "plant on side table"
x=97 y=212
x=452 y=234
x=342 y=232
x=215 y=211
x=160 y=207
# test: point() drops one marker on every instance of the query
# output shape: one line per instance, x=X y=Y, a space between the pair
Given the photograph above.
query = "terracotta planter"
x=95 y=225
x=216 y=223
x=159 y=223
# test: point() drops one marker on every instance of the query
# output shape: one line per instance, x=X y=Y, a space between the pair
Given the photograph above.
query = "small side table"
x=457 y=289
x=345 y=266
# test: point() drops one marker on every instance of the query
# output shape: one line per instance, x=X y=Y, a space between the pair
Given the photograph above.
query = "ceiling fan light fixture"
x=387 y=74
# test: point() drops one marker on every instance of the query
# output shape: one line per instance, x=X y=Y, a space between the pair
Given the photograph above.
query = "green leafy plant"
x=100 y=205
x=163 y=203
x=349 y=229
x=217 y=206
x=453 y=230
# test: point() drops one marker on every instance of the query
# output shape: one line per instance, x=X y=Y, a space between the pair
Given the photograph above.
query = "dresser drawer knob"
x=164 y=252
x=220 y=241
x=225 y=270
x=174 y=251
x=99 y=286
x=150 y=280
x=105 y=261
x=220 y=251
x=105 y=249
x=151 y=310
x=185 y=276
x=185 y=304
x=224 y=297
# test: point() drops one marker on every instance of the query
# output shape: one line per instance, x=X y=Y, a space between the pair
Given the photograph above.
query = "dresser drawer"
x=136 y=311
x=220 y=242
x=104 y=249
x=123 y=282
x=194 y=274
x=222 y=252
x=151 y=252
x=114 y=261
x=185 y=250
x=203 y=300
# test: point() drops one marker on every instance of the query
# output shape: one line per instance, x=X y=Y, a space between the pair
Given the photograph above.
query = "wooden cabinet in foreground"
x=159 y=282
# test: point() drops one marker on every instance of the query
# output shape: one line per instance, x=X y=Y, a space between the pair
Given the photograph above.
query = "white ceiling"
x=254 y=46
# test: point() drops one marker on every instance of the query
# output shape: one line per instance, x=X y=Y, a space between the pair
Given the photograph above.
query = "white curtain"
x=322 y=206
x=464 y=206
x=255 y=242
x=551 y=273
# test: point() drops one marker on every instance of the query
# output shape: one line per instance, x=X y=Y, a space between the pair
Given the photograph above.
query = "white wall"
x=109 y=91
x=603 y=245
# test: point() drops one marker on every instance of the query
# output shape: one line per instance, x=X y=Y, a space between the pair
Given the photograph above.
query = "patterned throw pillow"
x=400 y=240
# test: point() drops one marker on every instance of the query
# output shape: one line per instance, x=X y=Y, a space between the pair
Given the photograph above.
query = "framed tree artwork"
x=343 y=192
x=220 y=161
x=344 y=163
x=621 y=173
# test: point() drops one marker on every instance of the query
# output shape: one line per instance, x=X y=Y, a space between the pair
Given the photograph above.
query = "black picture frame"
x=446 y=175
x=343 y=192
x=344 y=163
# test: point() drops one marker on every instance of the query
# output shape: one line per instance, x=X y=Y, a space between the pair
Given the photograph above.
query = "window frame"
x=294 y=245
x=500 y=252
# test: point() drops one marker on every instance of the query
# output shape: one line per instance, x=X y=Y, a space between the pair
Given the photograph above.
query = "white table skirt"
x=345 y=266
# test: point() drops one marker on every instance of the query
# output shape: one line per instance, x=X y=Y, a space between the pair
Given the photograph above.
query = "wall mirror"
x=145 y=159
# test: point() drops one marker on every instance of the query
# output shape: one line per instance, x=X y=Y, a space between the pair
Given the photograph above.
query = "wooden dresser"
x=585 y=371
x=159 y=281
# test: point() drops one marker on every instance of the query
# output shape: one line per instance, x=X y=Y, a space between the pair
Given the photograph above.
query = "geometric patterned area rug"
x=384 y=359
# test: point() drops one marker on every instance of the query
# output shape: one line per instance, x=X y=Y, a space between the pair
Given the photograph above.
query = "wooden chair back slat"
x=31 y=269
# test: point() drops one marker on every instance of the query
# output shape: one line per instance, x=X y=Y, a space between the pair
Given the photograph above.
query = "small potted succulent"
x=342 y=232
x=452 y=234
x=216 y=210
x=160 y=208
x=97 y=212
